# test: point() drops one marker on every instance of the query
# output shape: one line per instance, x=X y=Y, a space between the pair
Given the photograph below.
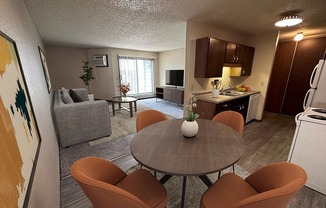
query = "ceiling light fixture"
x=299 y=36
x=289 y=20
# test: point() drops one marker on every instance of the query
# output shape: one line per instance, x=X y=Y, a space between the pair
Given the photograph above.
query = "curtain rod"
x=132 y=56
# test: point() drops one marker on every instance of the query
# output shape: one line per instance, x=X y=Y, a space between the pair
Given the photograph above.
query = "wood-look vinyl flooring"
x=266 y=142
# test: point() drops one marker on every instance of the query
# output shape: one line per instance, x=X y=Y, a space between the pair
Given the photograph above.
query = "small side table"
x=124 y=99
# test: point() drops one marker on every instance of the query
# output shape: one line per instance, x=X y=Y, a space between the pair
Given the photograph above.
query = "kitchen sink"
x=231 y=93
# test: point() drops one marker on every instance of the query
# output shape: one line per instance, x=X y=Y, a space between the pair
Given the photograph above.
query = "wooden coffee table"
x=124 y=99
x=162 y=148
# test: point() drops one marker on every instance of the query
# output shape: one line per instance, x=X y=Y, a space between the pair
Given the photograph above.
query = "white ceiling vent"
x=100 y=60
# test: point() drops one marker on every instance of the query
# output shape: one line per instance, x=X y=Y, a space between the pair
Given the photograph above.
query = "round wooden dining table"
x=163 y=148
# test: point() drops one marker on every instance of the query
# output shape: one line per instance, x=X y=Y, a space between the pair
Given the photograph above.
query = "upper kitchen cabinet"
x=213 y=54
x=234 y=53
x=210 y=53
x=242 y=57
x=248 y=58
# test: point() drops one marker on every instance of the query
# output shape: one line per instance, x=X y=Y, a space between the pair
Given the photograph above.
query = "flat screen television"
x=174 y=77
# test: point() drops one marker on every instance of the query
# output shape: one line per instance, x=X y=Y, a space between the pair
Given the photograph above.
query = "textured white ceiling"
x=160 y=25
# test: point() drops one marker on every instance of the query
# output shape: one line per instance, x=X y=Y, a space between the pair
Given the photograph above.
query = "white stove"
x=315 y=115
x=309 y=145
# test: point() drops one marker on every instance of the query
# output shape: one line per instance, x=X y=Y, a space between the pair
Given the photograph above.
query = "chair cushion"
x=74 y=96
x=227 y=191
x=65 y=96
x=144 y=185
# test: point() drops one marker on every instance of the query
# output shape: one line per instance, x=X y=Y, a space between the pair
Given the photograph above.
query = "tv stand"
x=172 y=94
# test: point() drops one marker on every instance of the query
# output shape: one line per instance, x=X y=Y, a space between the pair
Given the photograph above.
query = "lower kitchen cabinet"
x=207 y=110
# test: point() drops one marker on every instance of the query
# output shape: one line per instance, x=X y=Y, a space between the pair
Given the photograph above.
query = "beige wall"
x=65 y=66
x=265 y=46
x=107 y=78
x=172 y=59
x=16 y=22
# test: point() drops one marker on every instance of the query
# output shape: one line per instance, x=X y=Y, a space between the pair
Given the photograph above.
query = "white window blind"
x=138 y=72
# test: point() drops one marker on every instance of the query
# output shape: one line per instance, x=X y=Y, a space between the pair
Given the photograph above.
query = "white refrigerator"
x=316 y=95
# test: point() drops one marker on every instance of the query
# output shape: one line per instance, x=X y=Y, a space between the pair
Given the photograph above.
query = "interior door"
x=307 y=55
x=279 y=77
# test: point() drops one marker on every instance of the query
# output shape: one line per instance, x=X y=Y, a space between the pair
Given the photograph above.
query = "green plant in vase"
x=88 y=74
x=189 y=127
x=190 y=105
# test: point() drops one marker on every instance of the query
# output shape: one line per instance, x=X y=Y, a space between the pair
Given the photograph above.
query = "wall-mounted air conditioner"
x=100 y=60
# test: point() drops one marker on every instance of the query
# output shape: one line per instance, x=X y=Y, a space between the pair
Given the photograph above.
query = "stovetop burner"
x=317 y=117
x=319 y=110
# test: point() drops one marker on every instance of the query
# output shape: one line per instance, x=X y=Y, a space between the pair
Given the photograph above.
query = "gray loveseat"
x=81 y=121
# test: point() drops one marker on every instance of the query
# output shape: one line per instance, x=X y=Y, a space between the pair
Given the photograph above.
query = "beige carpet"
x=121 y=124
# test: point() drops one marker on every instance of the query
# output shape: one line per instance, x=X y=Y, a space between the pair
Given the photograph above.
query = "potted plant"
x=87 y=77
x=189 y=127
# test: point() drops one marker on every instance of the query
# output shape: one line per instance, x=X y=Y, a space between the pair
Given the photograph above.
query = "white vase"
x=189 y=128
x=215 y=93
x=91 y=97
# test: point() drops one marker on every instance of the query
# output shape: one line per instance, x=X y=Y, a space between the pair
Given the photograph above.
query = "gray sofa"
x=81 y=121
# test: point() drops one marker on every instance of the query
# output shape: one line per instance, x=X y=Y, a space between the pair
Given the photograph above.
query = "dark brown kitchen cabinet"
x=248 y=58
x=205 y=110
x=244 y=62
x=234 y=53
x=209 y=60
x=289 y=81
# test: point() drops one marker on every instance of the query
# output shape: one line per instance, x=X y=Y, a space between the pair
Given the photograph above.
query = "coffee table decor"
x=124 y=88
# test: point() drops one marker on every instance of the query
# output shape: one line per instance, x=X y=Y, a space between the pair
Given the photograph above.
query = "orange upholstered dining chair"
x=148 y=117
x=232 y=119
x=272 y=186
x=106 y=185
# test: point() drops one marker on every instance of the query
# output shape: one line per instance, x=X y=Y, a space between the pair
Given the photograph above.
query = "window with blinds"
x=138 y=72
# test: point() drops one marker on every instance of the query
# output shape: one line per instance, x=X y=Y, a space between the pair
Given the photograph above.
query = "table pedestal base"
x=204 y=178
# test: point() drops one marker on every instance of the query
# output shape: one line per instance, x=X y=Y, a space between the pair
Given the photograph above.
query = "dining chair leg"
x=141 y=166
x=233 y=168
x=219 y=174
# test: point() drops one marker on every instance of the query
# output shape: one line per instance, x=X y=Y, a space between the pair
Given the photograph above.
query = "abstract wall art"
x=45 y=69
x=19 y=136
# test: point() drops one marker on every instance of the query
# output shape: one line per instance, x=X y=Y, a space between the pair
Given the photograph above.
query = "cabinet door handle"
x=236 y=59
x=233 y=58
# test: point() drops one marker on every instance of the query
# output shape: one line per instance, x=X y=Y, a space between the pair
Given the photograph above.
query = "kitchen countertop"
x=207 y=96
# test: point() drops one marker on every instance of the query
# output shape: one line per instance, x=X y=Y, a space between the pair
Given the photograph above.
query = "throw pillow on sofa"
x=74 y=96
x=65 y=96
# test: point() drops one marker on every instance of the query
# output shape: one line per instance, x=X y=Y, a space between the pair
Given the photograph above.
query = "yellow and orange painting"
x=19 y=136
